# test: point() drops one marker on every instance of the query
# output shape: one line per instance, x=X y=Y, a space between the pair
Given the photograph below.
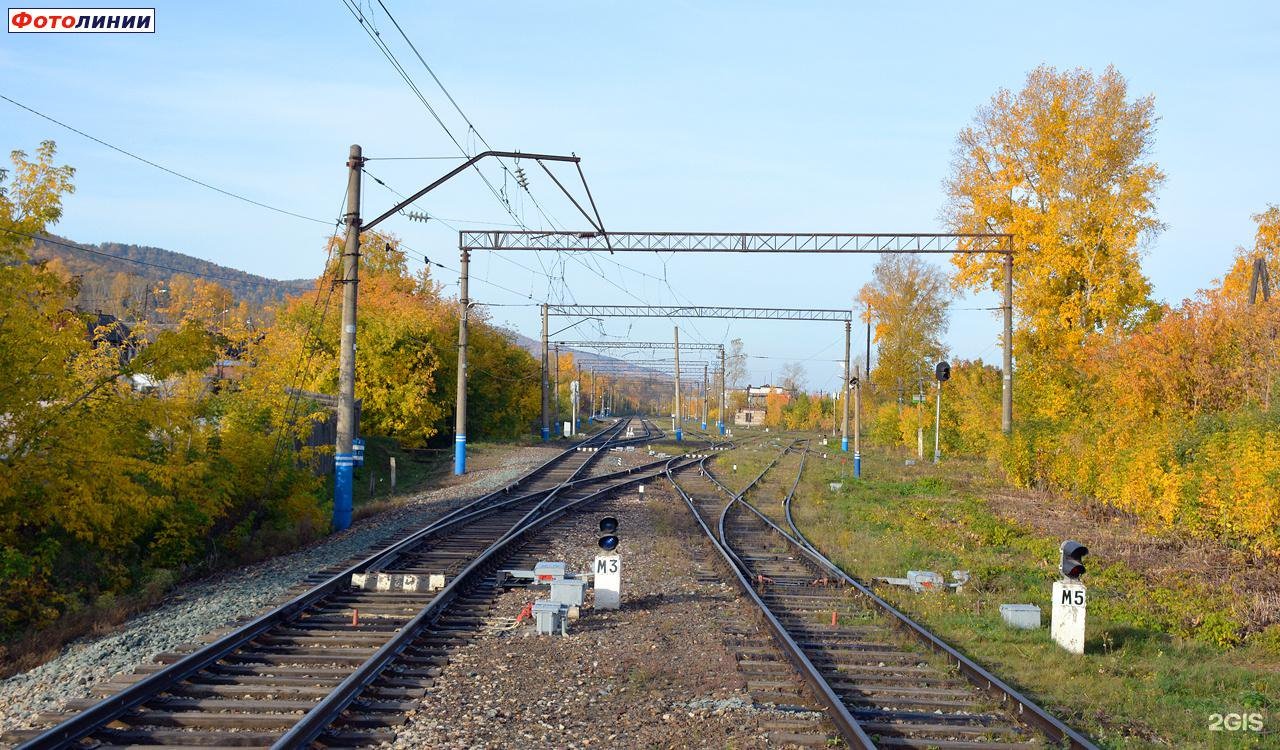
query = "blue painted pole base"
x=546 y=434
x=704 y=426
x=857 y=465
x=460 y=455
x=844 y=444
x=679 y=435
x=342 y=470
x=721 y=426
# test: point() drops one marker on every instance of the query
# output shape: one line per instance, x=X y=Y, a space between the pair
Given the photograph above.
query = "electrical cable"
x=163 y=168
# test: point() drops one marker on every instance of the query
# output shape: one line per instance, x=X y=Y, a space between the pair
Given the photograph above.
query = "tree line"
x=129 y=460
x=1161 y=410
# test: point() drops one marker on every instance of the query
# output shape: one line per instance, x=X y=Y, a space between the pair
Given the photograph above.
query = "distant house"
x=108 y=330
x=758 y=395
x=749 y=417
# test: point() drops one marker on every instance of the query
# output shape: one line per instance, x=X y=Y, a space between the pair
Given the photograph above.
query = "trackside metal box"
x=569 y=591
x=549 y=616
x=1022 y=616
x=546 y=572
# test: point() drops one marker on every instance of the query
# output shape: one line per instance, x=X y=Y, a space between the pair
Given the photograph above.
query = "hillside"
x=137 y=273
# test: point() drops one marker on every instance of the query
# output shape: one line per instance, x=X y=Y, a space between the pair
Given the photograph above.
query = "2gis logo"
x=1237 y=722
x=82 y=20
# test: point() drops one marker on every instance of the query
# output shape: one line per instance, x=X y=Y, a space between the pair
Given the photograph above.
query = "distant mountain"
x=585 y=358
x=98 y=270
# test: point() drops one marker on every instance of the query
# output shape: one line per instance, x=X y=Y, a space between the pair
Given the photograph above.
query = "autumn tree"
x=1266 y=245
x=736 y=364
x=1063 y=165
x=908 y=298
x=793 y=377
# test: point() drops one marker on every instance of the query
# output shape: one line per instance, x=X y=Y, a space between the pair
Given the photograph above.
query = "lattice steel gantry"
x=732 y=242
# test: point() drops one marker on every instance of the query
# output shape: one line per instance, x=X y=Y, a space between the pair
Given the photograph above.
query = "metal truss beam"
x=637 y=345
x=699 y=311
x=738 y=242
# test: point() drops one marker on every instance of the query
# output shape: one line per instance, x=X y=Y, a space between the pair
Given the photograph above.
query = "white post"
x=608 y=581
x=1068 y=625
x=393 y=473
x=937 y=426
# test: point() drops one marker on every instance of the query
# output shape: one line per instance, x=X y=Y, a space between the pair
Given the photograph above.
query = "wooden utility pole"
x=344 y=456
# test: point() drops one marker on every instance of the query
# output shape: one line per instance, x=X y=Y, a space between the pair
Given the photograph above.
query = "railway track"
x=882 y=679
x=340 y=665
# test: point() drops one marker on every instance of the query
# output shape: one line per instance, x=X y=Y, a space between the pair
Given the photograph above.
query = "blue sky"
x=688 y=116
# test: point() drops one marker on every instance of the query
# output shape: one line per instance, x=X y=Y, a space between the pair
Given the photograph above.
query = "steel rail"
x=109 y=709
x=846 y=725
x=320 y=716
x=1028 y=711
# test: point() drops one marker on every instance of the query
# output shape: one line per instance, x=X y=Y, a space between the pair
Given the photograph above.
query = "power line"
x=470 y=125
x=426 y=260
x=163 y=168
x=376 y=37
x=265 y=282
x=413 y=158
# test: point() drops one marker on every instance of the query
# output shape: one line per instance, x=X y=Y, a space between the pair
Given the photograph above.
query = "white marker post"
x=1069 y=604
x=608 y=581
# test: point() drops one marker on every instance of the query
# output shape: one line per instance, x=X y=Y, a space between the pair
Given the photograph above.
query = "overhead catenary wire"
x=420 y=256
x=474 y=130
x=367 y=23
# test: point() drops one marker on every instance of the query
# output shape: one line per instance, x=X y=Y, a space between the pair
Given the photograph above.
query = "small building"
x=108 y=330
x=749 y=417
x=758 y=395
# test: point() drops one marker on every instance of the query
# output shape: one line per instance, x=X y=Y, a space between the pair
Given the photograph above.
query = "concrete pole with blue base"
x=704 y=397
x=344 y=457
x=857 y=429
x=460 y=418
x=546 y=385
x=848 y=376
x=724 y=387
x=679 y=432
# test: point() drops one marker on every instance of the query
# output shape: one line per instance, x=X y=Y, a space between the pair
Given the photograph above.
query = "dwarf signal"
x=1070 y=598
x=607 y=570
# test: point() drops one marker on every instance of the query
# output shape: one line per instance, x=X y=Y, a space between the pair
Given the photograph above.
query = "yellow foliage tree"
x=908 y=298
x=1063 y=165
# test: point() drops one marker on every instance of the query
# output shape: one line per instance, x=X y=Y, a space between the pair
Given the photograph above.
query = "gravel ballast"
x=201 y=607
x=656 y=673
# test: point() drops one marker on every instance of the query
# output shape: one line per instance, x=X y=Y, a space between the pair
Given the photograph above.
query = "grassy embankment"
x=1153 y=674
